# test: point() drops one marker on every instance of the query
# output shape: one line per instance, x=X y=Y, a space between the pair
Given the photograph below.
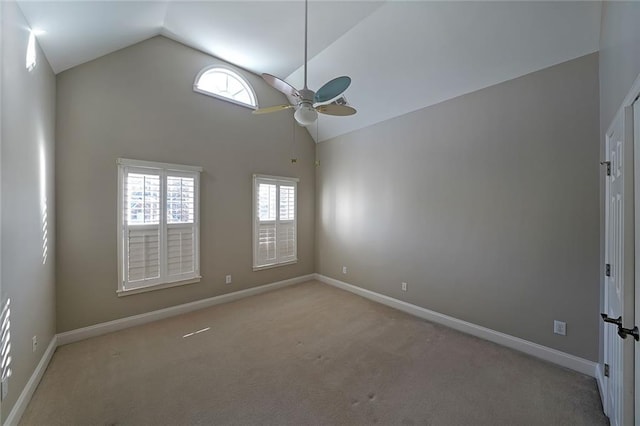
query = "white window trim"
x=278 y=180
x=163 y=168
x=224 y=98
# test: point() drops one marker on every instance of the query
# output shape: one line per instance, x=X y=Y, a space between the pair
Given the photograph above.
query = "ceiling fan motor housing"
x=306 y=95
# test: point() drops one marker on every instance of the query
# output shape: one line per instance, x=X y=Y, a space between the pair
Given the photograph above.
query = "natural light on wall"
x=5 y=342
x=43 y=204
x=32 y=60
x=31 y=51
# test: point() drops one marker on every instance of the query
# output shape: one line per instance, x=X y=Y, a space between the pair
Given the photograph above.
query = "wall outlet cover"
x=404 y=286
x=560 y=327
x=227 y=279
x=344 y=269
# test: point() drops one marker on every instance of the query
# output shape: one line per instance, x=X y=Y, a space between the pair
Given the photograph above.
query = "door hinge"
x=607 y=270
x=606 y=370
x=608 y=164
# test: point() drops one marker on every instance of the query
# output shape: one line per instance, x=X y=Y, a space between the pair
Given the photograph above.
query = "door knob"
x=624 y=332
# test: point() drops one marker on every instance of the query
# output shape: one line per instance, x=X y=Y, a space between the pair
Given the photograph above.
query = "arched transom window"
x=225 y=84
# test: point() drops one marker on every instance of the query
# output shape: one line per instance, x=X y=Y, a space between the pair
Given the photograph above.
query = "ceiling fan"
x=307 y=102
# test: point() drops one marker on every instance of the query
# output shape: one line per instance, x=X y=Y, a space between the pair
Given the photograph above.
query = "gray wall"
x=138 y=103
x=28 y=108
x=619 y=56
x=619 y=67
x=487 y=205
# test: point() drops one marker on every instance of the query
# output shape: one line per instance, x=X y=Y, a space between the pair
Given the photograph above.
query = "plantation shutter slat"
x=266 y=244
x=275 y=239
x=144 y=254
x=142 y=205
x=180 y=250
x=159 y=227
x=181 y=228
x=286 y=242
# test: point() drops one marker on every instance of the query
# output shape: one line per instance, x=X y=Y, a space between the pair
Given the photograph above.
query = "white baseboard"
x=25 y=396
x=122 y=323
x=548 y=354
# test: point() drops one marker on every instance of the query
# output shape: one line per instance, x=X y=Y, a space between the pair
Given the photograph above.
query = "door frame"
x=633 y=97
x=620 y=355
x=631 y=308
x=636 y=145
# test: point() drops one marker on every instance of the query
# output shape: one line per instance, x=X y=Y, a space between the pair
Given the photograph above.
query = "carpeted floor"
x=308 y=354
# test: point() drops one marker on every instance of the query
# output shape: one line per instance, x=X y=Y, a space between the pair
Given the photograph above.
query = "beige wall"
x=28 y=108
x=487 y=205
x=619 y=67
x=138 y=103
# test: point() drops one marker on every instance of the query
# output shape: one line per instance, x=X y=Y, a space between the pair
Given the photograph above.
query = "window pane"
x=142 y=199
x=266 y=202
x=234 y=86
x=287 y=202
x=243 y=97
x=226 y=83
x=180 y=199
x=213 y=82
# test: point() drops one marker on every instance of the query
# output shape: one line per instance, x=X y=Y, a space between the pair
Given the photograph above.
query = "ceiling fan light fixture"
x=306 y=114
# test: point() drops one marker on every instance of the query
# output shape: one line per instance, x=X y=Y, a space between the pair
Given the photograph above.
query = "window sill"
x=274 y=265
x=153 y=287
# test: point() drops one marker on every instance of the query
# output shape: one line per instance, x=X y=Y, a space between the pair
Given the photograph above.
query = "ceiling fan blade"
x=280 y=85
x=335 y=109
x=272 y=109
x=332 y=89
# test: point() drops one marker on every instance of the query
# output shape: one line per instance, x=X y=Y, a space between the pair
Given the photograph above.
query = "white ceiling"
x=401 y=55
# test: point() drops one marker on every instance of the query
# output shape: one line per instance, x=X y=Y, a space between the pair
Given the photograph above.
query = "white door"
x=636 y=144
x=619 y=269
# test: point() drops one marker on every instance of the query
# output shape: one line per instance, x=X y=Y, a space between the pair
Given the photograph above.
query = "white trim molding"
x=155 y=165
x=563 y=359
x=122 y=323
x=602 y=384
x=27 y=392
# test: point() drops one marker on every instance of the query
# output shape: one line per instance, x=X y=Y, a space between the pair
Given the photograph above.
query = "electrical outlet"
x=34 y=342
x=560 y=328
x=5 y=388
x=344 y=269
x=404 y=287
x=227 y=279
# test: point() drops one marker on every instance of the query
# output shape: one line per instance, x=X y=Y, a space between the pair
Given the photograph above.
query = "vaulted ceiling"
x=401 y=55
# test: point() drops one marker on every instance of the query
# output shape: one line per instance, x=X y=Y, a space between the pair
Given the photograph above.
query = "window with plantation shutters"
x=275 y=221
x=158 y=225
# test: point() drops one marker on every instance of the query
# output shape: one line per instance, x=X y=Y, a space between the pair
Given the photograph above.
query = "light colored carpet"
x=308 y=354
